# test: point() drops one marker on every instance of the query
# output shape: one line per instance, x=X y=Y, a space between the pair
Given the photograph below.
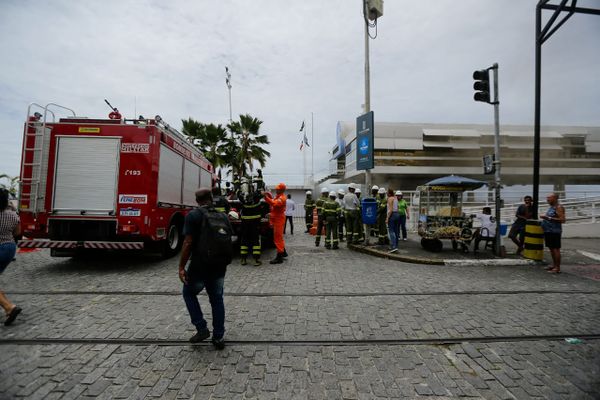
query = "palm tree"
x=211 y=139
x=13 y=182
x=250 y=141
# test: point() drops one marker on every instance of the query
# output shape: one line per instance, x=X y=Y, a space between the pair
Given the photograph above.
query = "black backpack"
x=214 y=245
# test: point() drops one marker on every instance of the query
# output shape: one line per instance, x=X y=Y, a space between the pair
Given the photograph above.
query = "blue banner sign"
x=364 y=141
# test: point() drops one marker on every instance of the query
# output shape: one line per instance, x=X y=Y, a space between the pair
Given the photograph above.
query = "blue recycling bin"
x=369 y=211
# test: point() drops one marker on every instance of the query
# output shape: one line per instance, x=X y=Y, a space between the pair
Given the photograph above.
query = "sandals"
x=12 y=315
x=554 y=271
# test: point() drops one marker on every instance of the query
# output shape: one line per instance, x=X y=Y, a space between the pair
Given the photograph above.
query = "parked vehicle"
x=106 y=183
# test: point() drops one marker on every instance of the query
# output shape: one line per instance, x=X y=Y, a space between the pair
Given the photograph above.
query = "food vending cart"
x=440 y=214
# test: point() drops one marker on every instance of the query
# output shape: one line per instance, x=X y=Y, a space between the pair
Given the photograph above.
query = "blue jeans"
x=403 y=226
x=394 y=229
x=214 y=288
x=7 y=253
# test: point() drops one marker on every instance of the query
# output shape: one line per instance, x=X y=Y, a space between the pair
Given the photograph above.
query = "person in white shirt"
x=290 y=206
x=351 y=213
x=488 y=227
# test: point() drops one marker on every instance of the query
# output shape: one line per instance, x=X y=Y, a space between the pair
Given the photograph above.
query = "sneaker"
x=219 y=343
x=395 y=249
x=405 y=239
x=200 y=336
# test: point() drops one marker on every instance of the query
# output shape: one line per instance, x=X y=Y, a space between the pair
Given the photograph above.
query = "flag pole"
x=312 y=149
x=303 y=148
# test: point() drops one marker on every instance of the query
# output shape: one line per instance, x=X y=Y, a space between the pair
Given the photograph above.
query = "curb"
x=492 y=262
x=397 y=257
x=488 y=262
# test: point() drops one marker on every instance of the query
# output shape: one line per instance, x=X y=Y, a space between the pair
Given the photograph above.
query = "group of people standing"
x=339 y=215
x=551 y=224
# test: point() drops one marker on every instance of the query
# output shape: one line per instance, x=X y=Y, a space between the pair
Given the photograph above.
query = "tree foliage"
x=9 y=183
x=238 y=152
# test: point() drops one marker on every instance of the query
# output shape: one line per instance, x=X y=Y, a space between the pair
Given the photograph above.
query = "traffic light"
x=482 y=85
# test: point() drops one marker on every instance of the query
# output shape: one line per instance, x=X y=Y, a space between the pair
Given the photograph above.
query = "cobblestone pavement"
x=326 y=324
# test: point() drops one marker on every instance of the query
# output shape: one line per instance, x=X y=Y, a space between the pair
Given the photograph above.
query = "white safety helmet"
x=381 y=190
x=233 y=215
x=332 y=194
x=351 y=186
x=375 y=187
x=398 y=193
x=308 y=193
x=357 y=190
x=341 y=191
x=324 y=190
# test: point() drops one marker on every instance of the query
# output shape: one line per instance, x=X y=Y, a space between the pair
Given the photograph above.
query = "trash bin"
x=503 y=229
x=369 y=211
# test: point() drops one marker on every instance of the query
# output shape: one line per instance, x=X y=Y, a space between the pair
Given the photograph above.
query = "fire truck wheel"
x=172 y=244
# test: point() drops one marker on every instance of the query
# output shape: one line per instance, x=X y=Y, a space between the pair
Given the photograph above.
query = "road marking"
x=588 y=254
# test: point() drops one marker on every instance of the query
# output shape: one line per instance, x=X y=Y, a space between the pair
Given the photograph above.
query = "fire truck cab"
x=106 y=183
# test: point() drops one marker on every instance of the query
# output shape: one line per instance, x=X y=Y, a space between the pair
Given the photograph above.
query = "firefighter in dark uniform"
x=320 y=217
x=309 y=207
x=382 y=237
x=331 y=211
x=220 y=203
x=252 y=211
x=259 y=183
x=373 y=230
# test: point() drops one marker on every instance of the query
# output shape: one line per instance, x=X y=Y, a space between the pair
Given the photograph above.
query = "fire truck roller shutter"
x=86 y=175
x=205 y=178
x=170 y=176
x=191 y=177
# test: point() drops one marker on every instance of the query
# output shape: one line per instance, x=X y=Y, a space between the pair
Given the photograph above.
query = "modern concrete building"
x=410 y=154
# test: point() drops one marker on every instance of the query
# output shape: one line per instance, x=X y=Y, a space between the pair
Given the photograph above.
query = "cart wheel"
x=437 y=245
x=424 y=243
x=454 y=245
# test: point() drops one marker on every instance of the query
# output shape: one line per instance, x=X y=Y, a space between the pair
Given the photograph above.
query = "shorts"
x=552 y=240
x=7 y=253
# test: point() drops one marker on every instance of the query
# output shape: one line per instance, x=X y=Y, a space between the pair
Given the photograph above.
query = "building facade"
x=410 y=154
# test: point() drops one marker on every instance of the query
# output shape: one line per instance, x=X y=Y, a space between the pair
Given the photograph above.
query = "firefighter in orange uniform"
x=278 y=219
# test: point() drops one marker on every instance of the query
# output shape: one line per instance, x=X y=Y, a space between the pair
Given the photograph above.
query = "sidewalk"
x=579 y=256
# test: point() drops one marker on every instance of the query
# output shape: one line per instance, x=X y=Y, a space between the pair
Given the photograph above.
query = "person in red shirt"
x=278 y=219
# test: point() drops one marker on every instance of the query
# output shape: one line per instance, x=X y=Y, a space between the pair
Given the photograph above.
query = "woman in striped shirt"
x=9 y=228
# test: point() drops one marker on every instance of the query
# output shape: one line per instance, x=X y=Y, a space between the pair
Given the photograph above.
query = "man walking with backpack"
x=208 y=240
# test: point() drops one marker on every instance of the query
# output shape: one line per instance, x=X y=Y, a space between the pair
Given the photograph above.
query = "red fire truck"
x=106 y=183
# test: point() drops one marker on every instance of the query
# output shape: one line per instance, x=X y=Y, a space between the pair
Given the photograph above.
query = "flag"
x=302 y=127
x=304 y=142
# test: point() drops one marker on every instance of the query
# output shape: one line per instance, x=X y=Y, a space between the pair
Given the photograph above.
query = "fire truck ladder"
x=33 y=150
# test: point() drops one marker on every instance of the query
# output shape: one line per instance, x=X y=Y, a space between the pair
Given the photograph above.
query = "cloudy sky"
x=288 y=58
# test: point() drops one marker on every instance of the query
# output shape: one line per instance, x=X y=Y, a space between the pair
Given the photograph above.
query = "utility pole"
x=367 y=83
x=497 y=162
x=482 y=93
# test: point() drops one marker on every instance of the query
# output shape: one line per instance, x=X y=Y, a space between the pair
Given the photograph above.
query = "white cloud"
x=288 y=59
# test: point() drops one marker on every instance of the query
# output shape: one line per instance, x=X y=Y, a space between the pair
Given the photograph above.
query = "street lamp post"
x=228 y=83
